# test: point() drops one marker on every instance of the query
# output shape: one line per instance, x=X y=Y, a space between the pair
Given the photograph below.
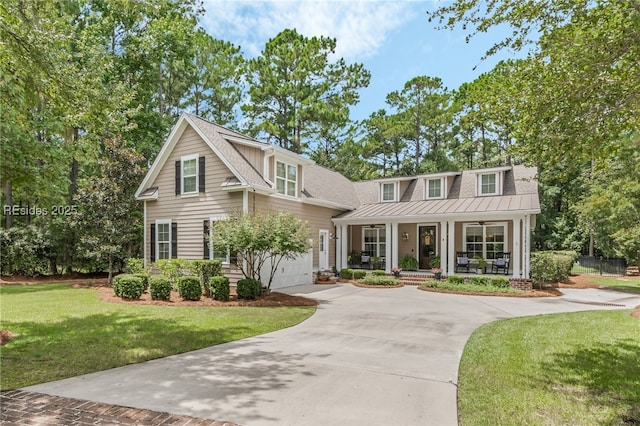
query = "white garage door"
x=291 y=272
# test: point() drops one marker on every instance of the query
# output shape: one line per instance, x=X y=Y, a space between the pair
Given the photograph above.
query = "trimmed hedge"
x=159 y=287
x=359 y=273
x=381 y=280
x=219 y=287
x=502 y=282
x=128 y=286
x=480 y=280
x=145 y=279
x=206 y=269
x=248 y=288
x=456 y=279
x=346 y=274
x=379 y=273
x=551 y=267
x=189 y=287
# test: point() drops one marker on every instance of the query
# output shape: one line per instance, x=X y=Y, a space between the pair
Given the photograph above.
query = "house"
x=204 y=172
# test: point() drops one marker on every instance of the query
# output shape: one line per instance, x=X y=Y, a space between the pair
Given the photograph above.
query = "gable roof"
x=359 y=200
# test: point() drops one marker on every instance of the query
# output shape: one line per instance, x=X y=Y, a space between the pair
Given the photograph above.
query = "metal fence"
x=598 y=265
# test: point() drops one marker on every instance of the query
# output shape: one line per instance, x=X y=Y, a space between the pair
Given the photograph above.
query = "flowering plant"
x=436 y=270
x=396 y=270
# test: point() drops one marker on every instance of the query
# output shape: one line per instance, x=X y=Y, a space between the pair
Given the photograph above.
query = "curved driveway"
x=367 y=357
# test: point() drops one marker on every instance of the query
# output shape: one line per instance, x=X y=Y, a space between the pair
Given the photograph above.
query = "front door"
x=323 y=249
x=427 y=245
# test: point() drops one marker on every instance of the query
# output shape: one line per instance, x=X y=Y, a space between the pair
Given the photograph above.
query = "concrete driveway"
x=367 y=357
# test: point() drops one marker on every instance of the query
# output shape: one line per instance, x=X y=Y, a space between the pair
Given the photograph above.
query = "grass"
x=576 y=368
x=64 y=332
x=627 y=284
x=446 y=285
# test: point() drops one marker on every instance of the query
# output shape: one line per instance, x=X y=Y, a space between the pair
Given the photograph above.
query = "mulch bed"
x=106 y=294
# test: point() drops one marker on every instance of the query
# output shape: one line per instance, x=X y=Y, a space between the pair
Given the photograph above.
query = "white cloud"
x=360 y=27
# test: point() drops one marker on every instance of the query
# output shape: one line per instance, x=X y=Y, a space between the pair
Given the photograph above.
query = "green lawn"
x=64 y=332
x=627 y=284
x=575 y=369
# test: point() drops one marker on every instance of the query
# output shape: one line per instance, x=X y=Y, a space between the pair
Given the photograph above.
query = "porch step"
x=415 y=279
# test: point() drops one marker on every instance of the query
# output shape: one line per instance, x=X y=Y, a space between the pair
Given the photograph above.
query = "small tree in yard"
x=262 y=239
x=109 y=218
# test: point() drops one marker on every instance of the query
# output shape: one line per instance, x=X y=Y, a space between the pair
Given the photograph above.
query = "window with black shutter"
x=153 y=242
x=206 y=238
x=174 y=240
x=201 y=174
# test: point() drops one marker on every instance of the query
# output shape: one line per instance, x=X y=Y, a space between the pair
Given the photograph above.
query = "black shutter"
x=178 y=177
x=153 y=242
x=174 y=240
x=206 y=236
x=201 y=174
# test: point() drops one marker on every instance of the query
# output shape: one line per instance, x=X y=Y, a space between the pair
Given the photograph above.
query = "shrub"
x=480 y=280
x=128 y=286
x=409 y=263
x=381 y=280
x=248 y=288
x=501 y=282
x=135 y=265
x=379 y=273
x=359 y=273
x=347 y=274
x=551 y=267
x=24 y=251
x=159 y=288
x=145 y=279
x=456 y=279
x=174 y=268
x=206 y=269
x=219 y=287
x=189 y=287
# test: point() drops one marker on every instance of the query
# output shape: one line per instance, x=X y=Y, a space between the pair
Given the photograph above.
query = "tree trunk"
x=109 y=278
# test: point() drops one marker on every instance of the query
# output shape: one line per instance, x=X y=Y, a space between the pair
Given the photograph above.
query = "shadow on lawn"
x=608 y=375
x=43 y=352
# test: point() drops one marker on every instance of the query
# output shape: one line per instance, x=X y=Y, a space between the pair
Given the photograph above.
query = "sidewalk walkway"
x=30 y=408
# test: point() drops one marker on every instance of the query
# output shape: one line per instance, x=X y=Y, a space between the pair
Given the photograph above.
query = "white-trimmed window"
x=488 y=184
x=485 y=240
x=163 y=239
x=374 y=242
x=435 y=188
x=189 y=168
x=286 y=179
x=388 y=192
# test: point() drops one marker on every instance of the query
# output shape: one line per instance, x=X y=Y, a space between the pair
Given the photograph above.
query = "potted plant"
x=409 y=263
x=482 y=264
x=396 y=271
x=376 y=262
x=435 y=262
x=335 y=271
x=437 y=272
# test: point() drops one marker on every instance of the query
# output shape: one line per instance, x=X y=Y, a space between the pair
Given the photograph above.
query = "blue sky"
x=392 y=38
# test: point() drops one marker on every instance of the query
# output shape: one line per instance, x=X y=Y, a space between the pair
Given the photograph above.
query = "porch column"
x=387 y=252
x=443 y=246
x=526 y=244
x=451 y=247
x=517 y=251
x=393 y=260
x=343 y=241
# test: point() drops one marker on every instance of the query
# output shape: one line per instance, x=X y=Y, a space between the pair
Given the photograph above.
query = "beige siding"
x=254 y=156
x=189 y=212
x=317 y=217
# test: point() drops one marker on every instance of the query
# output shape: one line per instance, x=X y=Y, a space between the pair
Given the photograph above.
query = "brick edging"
x=21 y=407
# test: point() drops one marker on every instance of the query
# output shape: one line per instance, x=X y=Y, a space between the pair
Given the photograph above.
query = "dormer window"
x=286 y=179
x=488 y=184
x=388 y=192
x=435 y=188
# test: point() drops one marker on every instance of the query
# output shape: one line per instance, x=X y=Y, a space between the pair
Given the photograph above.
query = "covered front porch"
x=382 y=244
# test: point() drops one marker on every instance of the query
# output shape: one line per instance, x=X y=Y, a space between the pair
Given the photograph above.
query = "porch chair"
x=462 y=261
x=365 y=259
x=501 y=263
